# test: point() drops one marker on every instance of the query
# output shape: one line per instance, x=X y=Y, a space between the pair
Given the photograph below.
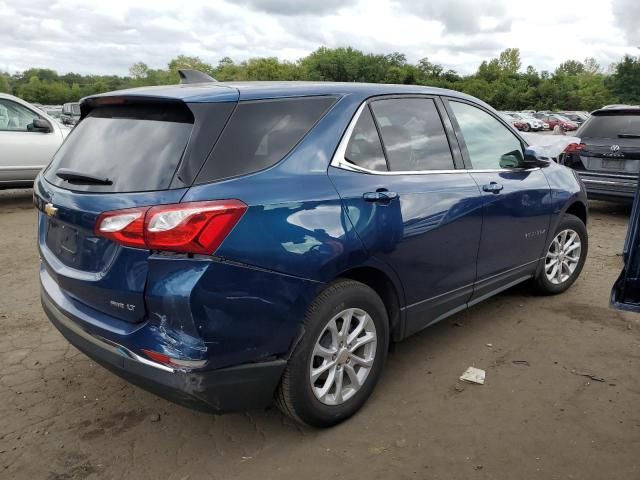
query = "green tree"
x=138 y=70
x=573 y=85
x=428 y=69
x=625 y=82
x=571 y=67
x=4 y=83
x=509 y=61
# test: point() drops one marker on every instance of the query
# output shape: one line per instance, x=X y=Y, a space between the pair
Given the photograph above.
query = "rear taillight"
x=192 y=227
x=123 y=226
x=197 y=227
x=574 y=147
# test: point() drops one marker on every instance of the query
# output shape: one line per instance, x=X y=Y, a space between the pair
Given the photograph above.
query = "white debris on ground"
x=473 y=375
x=549 y=145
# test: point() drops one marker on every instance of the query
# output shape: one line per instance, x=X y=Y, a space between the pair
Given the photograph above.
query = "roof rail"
x=188 y=75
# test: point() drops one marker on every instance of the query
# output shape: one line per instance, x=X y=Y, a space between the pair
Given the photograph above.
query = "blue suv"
x=226 y=245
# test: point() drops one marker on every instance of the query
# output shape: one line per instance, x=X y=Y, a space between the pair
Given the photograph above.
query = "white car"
x=28 y=140
x=532 y=124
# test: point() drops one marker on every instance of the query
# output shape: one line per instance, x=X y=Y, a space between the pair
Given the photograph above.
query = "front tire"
x=564 y=257
x=336 y=365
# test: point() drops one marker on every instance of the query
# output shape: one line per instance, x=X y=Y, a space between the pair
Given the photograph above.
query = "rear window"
x=136 y=147
x=412 y=134
x=610 y=126
x=260 y=133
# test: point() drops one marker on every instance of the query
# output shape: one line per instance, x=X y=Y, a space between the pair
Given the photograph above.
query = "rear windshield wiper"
x=628 y=135
x=78 y=177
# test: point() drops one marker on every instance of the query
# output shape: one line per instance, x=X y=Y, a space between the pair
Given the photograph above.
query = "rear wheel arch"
x=384 y=286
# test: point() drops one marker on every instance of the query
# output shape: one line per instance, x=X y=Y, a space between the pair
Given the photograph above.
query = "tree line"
x=501 y=81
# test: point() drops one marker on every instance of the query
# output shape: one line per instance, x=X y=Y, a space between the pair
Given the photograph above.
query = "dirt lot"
x=63 y=417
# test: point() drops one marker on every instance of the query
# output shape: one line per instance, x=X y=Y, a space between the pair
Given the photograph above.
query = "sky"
x=89 y=37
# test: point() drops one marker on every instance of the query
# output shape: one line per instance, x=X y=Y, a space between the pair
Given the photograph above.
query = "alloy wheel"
x=343 y=356
x=563 y=256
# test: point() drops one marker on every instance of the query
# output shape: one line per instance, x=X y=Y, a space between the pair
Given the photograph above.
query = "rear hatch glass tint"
x=135 y=148
x=610 y=126
x=261 y=133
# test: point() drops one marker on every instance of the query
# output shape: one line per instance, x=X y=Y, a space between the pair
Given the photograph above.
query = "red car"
x=554 y=119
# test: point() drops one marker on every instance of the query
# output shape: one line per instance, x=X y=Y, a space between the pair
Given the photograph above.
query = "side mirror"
x=510 y=160
x=535 y=158
x=40 y=125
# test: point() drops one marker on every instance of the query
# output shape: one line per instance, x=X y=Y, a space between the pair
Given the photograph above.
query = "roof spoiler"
x=188 y=75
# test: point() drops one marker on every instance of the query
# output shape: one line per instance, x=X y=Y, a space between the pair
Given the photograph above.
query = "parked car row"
x=530 y=121
x=67 y=114
x=524 y=121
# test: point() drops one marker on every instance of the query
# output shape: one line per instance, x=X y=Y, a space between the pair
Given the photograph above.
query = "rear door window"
x=261 y=133
x=413 y=135
x=364 y=148
x=136 y=147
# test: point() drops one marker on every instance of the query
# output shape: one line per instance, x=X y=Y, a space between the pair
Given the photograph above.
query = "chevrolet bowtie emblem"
x=50 y=210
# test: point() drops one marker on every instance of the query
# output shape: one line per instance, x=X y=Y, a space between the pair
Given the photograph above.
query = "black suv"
x=608 y=157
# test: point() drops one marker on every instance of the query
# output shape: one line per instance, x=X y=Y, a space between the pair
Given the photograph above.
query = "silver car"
x=28 y=139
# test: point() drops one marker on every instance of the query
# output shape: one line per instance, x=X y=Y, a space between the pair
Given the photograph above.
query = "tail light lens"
x=192 y=227
x=198 y=227
x=574 y=147
x=125 y=227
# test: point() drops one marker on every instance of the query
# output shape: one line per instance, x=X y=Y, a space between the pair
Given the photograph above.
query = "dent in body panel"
x=225 y=312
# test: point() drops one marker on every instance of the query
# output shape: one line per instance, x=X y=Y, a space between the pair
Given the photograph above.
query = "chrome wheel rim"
x=342 y=357
x=563 y=256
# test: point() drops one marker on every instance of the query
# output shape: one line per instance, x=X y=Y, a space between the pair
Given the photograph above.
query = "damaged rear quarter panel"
x=228 y=313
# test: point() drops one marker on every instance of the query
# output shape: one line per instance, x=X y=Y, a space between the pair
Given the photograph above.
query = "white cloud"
x=107 y=37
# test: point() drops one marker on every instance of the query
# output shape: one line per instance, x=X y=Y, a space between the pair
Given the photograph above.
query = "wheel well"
x=383 y=286
x=579 y=210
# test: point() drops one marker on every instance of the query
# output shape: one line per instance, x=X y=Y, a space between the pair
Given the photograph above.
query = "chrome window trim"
x=339 y=161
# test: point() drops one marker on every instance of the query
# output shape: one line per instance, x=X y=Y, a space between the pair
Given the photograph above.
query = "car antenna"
x=188 y=75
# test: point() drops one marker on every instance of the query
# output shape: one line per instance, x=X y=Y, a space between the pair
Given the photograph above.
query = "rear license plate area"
x=613 y=164
x=62 y=240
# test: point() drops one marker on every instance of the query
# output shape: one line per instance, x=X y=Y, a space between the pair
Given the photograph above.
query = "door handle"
x=380 y=196
x=493 y=187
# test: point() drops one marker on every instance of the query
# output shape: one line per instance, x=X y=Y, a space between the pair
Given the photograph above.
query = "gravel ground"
x=63 y=417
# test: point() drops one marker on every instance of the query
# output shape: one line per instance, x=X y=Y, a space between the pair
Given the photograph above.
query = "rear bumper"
x=242 y=387
x=609 y=186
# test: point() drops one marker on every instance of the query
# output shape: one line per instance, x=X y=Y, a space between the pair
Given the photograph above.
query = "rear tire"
x=564 y=257
x=327 y=380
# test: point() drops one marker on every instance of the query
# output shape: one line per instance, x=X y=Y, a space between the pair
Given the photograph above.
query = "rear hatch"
x=125 y=152
x=611 y=143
